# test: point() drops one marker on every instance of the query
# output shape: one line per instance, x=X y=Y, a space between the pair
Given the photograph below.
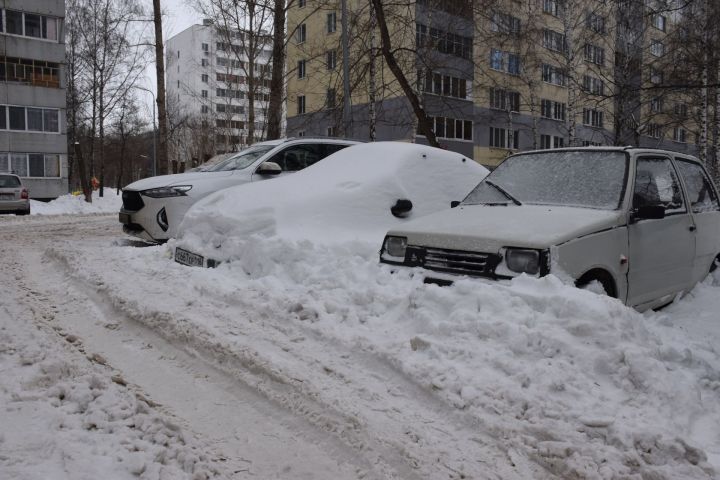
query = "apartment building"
x=33 y=141
x=208 y=90
x=506 y=77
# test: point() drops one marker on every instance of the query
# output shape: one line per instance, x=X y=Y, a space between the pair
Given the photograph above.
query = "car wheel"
x=24 y=212
x=601 y=277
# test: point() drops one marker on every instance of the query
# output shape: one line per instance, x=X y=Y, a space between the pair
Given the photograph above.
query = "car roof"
x=282 y=141
x=10 y=175
x=628 y=149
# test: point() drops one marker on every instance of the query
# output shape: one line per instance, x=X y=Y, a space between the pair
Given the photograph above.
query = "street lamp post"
x=154 y=162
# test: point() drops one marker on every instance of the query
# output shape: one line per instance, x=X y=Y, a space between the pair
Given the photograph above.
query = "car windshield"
x=589 y=179
x=242 y=160
x=9 y=181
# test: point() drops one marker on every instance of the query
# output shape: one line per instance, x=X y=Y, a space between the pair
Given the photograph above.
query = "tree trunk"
x=277 y=78
x=252 y=84
x=162 y=148
x=372 y=93
x=424 y=124
x=87 y=192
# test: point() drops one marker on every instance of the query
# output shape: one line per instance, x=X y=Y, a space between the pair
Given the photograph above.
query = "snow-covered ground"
x=324 y=364
x=110 y=202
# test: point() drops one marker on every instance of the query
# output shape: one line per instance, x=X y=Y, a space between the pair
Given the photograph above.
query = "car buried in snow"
x=154 y=207
x=643 y=224
x=354 y=195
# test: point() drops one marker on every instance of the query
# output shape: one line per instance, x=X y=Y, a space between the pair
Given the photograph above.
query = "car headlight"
x=522 y=261
x=164 y=192
x=394 y=249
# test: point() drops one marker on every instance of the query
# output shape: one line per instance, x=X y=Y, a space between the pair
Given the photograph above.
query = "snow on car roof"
x=345 y=197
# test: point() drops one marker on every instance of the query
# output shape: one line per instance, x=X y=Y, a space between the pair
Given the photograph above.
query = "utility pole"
x=347 y=114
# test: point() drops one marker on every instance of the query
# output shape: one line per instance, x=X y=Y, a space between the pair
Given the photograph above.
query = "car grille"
x=453 y=261
x=132 y=201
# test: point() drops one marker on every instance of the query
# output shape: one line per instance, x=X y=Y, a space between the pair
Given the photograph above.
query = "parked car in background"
x=14 y=196
x=643 y=224
x=153 y=207
x=354 y=195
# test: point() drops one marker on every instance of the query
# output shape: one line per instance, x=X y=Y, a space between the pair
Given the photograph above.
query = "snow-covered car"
x=14 y=196
x=643 y=224
x=154 y=207
x=355 y=194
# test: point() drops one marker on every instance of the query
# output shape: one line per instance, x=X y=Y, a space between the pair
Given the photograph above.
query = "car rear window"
x=9 y=181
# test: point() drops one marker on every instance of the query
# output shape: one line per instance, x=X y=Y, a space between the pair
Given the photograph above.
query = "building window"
x=438 y=84
x=301 y=68
x=656 y=105
x=330 y=98
x=657 y=48
x=679 y=135
x=551 y=141
x=553 y=7
x=503 y=138
x=595 y=22
x=658 y=21
x=588 y=143
x=204 y=62
x=301 y=104
x=204 y=109
x=331 y=59
x=594 y=54
x=30 y=119
x=653 y=130
x=505 y=61
x=301 y=133
x=204 y=93
x=46 y=165
x=331 y=22
x=593 y=85
x=301 y=33
x=553 y=110
x=205 y=47
x=32 y=72
x=681 y=110
x=443 y=42
x=301 y=3
x=506 y=100
x=331 y=132
x=554 y=75
x=592 y=117
x=31 y=25
x=451 y=128
x=204 y=78
x=504 y=23
x=554 y=41
x=656 y=76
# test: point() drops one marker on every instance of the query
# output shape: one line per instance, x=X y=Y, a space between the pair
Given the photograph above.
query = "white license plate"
x=188 y=258
x=7 y=196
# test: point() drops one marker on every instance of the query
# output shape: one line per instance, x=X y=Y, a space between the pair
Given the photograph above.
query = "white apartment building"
x=207 y=73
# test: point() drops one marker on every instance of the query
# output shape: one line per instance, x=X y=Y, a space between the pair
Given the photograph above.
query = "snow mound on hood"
x=343 y=198
x=70 y=204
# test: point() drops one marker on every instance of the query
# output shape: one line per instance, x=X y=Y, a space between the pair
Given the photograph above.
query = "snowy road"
x=318 y=364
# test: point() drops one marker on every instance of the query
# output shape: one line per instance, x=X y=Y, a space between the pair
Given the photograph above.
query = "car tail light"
x=24 y=195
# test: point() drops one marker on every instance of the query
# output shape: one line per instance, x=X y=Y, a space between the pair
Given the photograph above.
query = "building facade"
x=506 y=77
x=33 y=140
x=208 y=91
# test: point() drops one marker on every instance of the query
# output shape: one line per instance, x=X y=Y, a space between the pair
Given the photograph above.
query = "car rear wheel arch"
x=602 y=276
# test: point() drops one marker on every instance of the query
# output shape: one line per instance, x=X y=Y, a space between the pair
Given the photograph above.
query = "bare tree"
x=162 y=149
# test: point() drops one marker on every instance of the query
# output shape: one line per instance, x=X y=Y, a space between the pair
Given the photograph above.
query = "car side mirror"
x=454 y=203
x=649 y=212
x=269 y=168
x=402 y=208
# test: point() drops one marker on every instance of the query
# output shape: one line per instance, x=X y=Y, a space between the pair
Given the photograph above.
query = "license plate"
x=188 y=258
x=125 y=218
x=7 y=196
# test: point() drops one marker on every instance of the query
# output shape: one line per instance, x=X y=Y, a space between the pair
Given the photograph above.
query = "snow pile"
x=63 y=417
x=575 y=382
x=70 y=204
x=345 y=197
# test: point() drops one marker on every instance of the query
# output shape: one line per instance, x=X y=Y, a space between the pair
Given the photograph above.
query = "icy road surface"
x=309 y=362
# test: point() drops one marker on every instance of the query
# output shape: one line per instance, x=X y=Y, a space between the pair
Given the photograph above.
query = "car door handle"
x=692 y=228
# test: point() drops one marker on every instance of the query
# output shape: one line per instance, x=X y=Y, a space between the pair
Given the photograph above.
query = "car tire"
x=600 y=276
x=24 y=212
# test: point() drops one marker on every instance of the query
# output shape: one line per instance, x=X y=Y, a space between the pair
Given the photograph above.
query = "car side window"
x=297 y=157
x=657 y=184
x=701 y=195
x=331 y=148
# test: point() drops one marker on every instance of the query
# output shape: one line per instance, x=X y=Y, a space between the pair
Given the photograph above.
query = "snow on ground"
x=559 y=377
x=110 y=202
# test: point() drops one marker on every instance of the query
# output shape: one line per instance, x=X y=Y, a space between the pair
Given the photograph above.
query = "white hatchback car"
x=154 y=207
x=644 y=224
x=14 y=196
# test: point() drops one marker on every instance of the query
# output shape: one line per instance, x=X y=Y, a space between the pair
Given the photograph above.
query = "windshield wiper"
x=504 y=192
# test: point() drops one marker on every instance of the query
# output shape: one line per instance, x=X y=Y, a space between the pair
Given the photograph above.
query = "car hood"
x=489 y=228
x=189 y=178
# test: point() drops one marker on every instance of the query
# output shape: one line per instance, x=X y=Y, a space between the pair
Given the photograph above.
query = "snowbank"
x=345 y=197
x=75 y=204
x=575 y=382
